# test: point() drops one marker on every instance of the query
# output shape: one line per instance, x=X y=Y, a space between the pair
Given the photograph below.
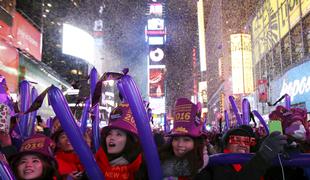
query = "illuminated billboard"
x=203 y=96
x=157 y=105
x=241 y=63
x=156 y=40
x=156 y=81
x=156 y=55
x=155 y=24
x=9 y=62
x=273 y=21
x=156 y=9
x=77 y=42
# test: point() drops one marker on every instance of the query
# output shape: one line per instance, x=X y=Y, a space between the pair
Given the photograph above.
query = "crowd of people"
x=185 y=152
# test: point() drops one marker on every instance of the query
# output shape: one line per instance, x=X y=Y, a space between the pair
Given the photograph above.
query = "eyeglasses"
x=249 y=141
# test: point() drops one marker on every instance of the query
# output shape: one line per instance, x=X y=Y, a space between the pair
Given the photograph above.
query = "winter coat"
x=68 y=162
x=117 y=172
x=254 y=170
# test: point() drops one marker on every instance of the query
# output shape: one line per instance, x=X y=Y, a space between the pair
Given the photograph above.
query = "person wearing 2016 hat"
x=35 y=159
x=295 y=127
x=120 y=156
x=240 y=140
x=183 y=156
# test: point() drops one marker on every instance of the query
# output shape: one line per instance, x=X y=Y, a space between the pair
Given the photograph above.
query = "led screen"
x=77 y=42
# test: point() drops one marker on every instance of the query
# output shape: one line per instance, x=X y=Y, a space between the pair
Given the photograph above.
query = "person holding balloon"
x=120 y=155
x=68 y=161
x=242 y=140
x=295 y=127
x=35 y=160
x=185 y=154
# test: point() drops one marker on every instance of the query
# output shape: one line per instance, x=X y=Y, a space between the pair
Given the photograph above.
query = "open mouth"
x=28 y=171
x=111 y=144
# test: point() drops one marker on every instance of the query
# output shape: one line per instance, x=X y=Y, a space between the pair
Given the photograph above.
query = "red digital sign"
x=156 y=82
x=26 y=36
x=262 y=90
x=9 y=62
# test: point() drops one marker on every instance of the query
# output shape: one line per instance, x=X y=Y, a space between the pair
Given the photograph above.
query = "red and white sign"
x=262 y=89
x=156 y=82
x=9 y=65
x=26 y=36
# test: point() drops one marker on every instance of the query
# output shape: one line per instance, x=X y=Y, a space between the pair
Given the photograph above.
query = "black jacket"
x=252 y=170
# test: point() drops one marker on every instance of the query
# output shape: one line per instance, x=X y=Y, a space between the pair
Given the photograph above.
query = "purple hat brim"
x=107 y=128
x=15 y=157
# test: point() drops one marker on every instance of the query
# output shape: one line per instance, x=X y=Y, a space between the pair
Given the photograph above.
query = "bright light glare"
x=79 y=43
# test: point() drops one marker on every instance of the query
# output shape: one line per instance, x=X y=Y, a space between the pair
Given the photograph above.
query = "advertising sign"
x=26 y=36
x=9 y=65
x=202 y=95
x=241 y=61
x=296 y=83
x=262 y=89
x=156 y=9
x=155 y=24
x=156 y=82
x=273 y=21
x=157 y=105
x=156 y=55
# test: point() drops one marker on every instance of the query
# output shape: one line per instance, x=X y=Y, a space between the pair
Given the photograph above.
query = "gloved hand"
x=272 y=145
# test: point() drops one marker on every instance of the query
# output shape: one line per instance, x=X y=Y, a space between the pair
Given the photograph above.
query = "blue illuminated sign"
x=296 y=83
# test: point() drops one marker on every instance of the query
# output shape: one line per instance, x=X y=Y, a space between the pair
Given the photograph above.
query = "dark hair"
x=194 y=157
x=49 y=167
x=131 y=150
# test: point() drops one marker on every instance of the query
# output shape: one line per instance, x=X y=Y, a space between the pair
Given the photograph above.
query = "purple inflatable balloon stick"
x=85 y=115
x=66 y=119
x=3 y=90
x=235 y=109
x=261 y=120
x=227 y=121
x=33 y=115
x=288 y=101
x=246 y=111
x=121 y=91
x=6 y=172
x=294 y=160
x=144 y=130
x=24 y=92
x=95 y=110
x=49 y=122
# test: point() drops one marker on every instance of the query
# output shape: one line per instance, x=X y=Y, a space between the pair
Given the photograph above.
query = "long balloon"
x=121 y=90
x=6 y=172
x=24 y=105
x=235 y=109
x=95 y=110
x=144 y=130
x=84 y=116
x=297 y=160
x=288 y=101
x=33 y=115
x=227 y=124
x=261 y=120
x=66 y=119
x=245 y=111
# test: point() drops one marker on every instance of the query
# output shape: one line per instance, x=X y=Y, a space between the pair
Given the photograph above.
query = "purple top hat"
x=121 y=118
x=187 y=119
x=37 y=144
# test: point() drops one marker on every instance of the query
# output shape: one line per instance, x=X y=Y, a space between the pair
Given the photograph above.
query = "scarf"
x=121 y=169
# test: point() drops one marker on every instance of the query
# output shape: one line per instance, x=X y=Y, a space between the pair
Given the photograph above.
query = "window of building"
x=277 y=61
x=306 y=31
x=269 y=64
x=285 y=51
x=296 y=38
